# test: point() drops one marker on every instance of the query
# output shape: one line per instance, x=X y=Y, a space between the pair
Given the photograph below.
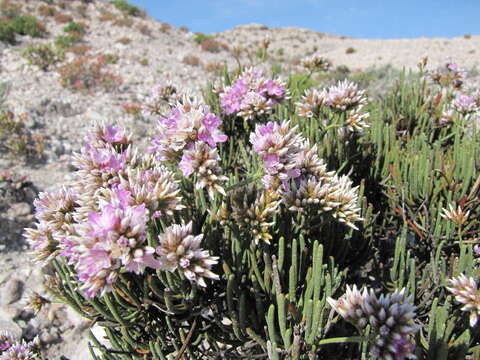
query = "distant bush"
x=47 y=10
x=15 y=138
x=74 y=27
x=214 y=67
x=124 y=40
x=124 y=21
x=467 y=36
x=62 y=18
x=127 y=8
x=87 y=74
x=7 y=33
x=66 y=41
x=145 y=30
x=165 y=27
x=28 y=25
x=183 y=29
x=201 y=37
x=9 y=9
x=212 y=46
x=350 y=50
x=106 y=15
x=43 y=55
x=81 y=10
x=80 y=49
x=191 y=60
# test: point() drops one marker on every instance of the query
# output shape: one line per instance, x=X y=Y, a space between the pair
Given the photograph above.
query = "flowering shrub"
x=87 y=73
x=237 y=239
x=43 y=55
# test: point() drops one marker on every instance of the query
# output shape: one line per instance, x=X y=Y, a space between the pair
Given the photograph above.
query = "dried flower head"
x=35 y=302
x=311 y=102
x=457 y=216
x=466 y=292
x=345 y=95
x=253 y=210
x=160 y=98
x=355 y=121
x=316 y=62
x=180 y=250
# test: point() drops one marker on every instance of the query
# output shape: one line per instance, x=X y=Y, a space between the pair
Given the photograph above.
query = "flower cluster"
x=343 y=97
x=466 y=292
x=99 y=221
x=252 y=95
x=189 y=136
x=316 y=63
x=11 y=349
x=180 y=249
x=391 y=318
x=293 y=168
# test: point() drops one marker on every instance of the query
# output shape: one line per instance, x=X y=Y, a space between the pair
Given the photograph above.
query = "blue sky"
x=355 y=18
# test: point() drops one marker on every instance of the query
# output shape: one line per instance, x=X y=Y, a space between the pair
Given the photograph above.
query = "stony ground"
x=147 y=52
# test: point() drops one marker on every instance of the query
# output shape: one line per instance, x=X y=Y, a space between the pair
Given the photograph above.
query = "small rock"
x=12 y=292
x=11 y=327
x=19 y=209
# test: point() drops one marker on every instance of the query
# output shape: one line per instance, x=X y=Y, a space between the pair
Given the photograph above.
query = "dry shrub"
x=79 y=50
x=213 y=46
x=350 y=50
x=9 y=9
x=124 y=21
x=183 y=29
x=145 y=30
x=16 y=140
x=47 y=10
x=62 y=18
x=106 y=15
x=214 y=67
x=124 y=40
x=81 y=10
x=88 y=74
x=191 y=60
x=165 y=27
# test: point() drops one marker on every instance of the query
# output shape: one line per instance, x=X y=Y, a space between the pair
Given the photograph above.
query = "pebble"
x=12 y=291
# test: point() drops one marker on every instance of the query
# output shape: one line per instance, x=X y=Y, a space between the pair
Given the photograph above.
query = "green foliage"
x=201 y=37
x=16 y=140
x=74 y=27
x=66 y=41
x=127 y=8
x=27 y=25
x=7 y=32
x=43 y=55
